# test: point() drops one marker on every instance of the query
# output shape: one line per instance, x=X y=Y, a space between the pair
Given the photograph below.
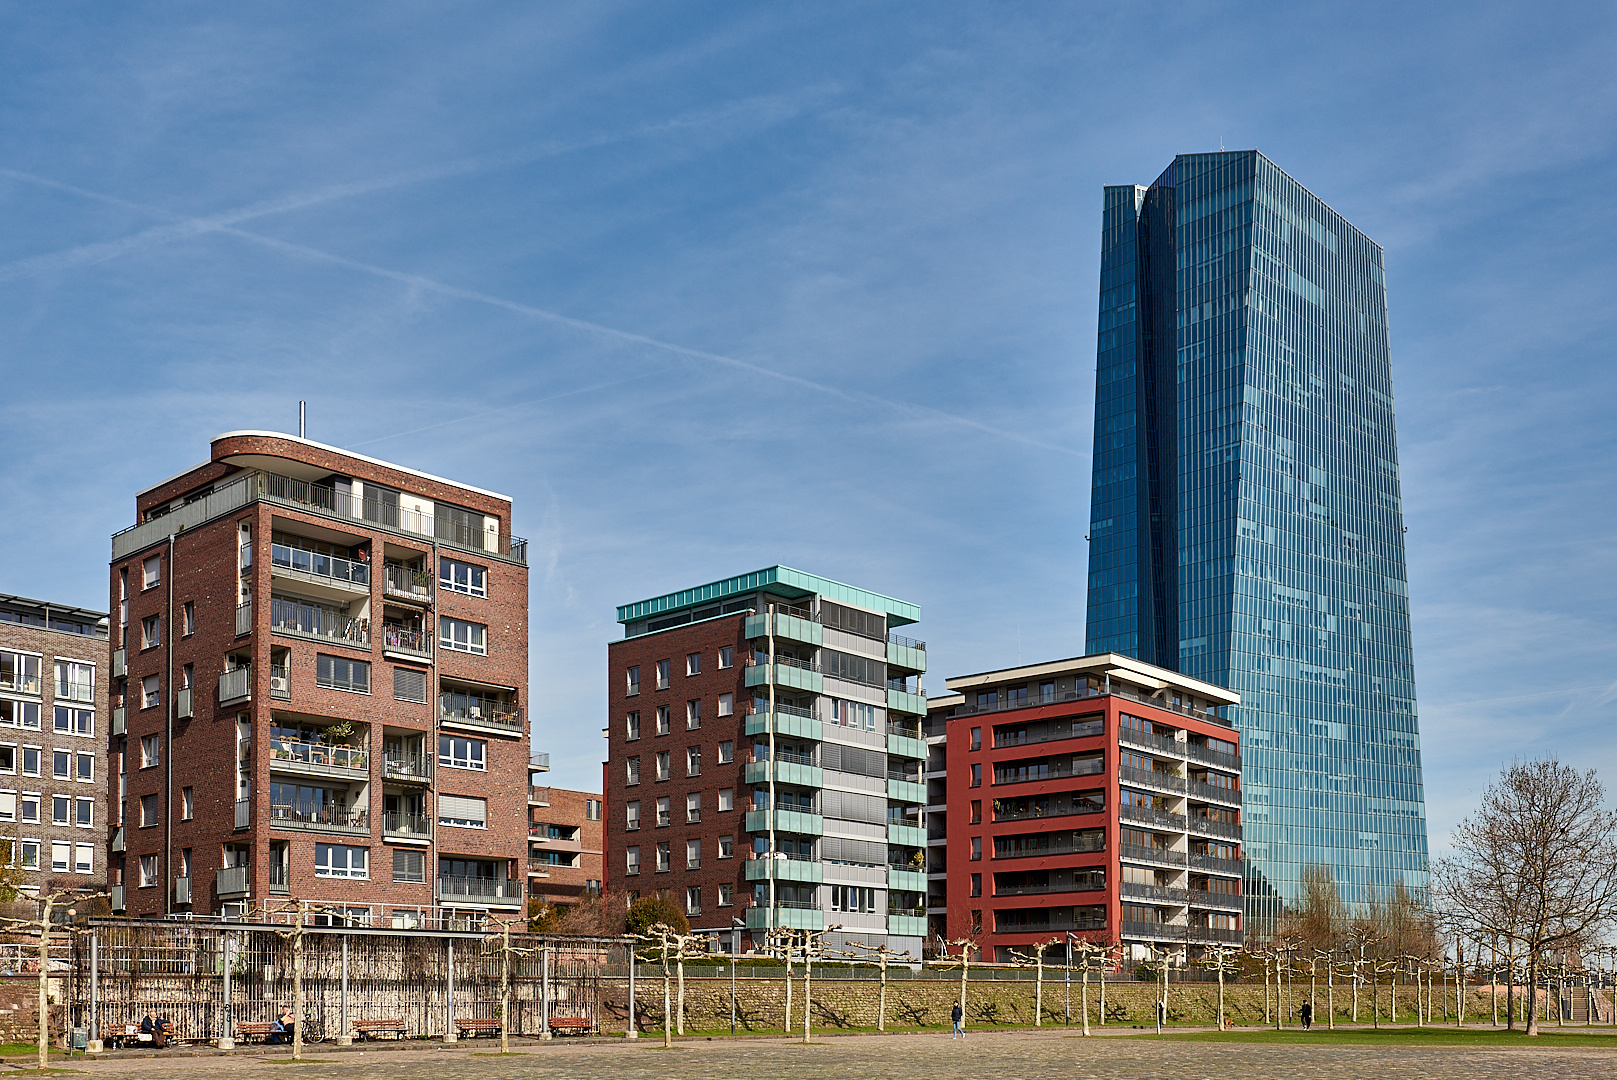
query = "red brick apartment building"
x=564 y=843
x=53 y=762
x=765 y=759
x=319 y=674
x=1098 y=796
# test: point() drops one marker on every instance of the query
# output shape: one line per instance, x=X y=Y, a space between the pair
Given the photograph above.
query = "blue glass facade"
x=1246 y=527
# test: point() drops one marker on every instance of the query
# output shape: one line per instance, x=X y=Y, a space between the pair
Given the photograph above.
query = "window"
x=61 y=810
x=148 y=810
x=727 y=656
x=458 y=753
x=631 y=857
x=8 y=759
x=409 y=866
x=462 y=577
x=19 y=672
x=976 y=775
x=23 y=714
x=84 y=858
x=976 y=811
x=665 y=813
x=341 y=861
x=633 y=769
x=693 y=664
x=74 y=721
x=61 y=856
x=693 y=900
x=634 y=681
x=853 y=714
x=188 y=619
x=151 y=632
x=976 y=921
x=30 y=760
x=976 y=848
x=662 y=674
x=727 y=847
x=149 y=695
x=693 y=714
x=463 y=811
x=727 y=704
x=631 y=727
x=664 y=859
x=664 y=726
x=665 y=768
x=726 y=894
x=151 y=572
x=693 y=807
x=341 y=673
x=727 y=799
x=188 y=803
x=61 y=765
x=727 y=752
x=8 y=806
x=693 y=761
x=28 y=856
x=592 y=809
x=28 y=806
x=693 y=854
x=84 y=813
x=150 y=751
x=462 y=636
x=855 y=898
x=1047 y=690
x=631 y=815
x=976 y=738
x=409 y=685
x=976 y=884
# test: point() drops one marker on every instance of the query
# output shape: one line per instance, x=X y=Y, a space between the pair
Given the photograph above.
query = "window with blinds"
x=409 y=866
x=463 y=811
x=409 y=685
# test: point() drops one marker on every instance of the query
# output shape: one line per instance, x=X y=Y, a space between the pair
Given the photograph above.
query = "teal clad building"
x=1246 y=526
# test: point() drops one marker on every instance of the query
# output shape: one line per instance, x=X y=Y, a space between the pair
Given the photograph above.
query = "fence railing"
x=316 y=564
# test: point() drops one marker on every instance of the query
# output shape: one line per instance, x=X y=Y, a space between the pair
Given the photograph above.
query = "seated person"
x=284 y=1025
x=157 y=1029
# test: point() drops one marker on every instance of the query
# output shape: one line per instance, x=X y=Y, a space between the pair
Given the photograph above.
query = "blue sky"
x=708 y=287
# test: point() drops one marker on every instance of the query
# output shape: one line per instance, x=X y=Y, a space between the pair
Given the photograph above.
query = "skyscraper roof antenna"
x=303 y=417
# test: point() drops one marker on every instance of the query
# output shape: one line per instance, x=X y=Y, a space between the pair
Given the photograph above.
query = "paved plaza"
x=983 y=1055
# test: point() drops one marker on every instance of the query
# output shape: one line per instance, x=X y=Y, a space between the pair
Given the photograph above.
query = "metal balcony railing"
x=1052 y=732
x=1145 y=815
x=479 y=888
x=906 y=642
x=406 y=824
x=337 y=817
x=343 y=758
x=407 y=640
x=406 y=581
x=312 y=620
x=279 y=878
x=1159 y=893
x=505 y=716
x=1062 y=808
x=406 y=767
x=1151 y=778
x=230 y=881
x=244 y=811
x=280 y=683
x=1222 y=829
x=315 y=564
x=244 y=619
x=235 y=685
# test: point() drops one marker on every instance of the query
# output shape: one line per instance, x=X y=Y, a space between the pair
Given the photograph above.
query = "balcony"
x=333 y=819
x=904 y=880
x=906 y=835
x=119 y=843
x=406 y=643
x=280 y=683
x=244 y=619
x=1207 y=935
x=182 y=890
x=1151 y=742
x=906 y=654
x=1154 y=855
x=182 y=704
x=495 y=892
x=117 y=892
x=783 y=867
x=318 y=759
x=905 y=791
x=1157 y=819
x=539 y=795
x=786 y=914
x=785 y=720
x=503 y=719
x=1152 y=779
x=787 y=821
x=1213 y=793
x=785 y=771
x=318 y=623
x=1156 y=894
x=1061 y=885
x=787 y=672
x=1045 y=807
x=900 y=701
x=244 y=813
x=1223 y=829
x=407 y=826
x=1059 y=844
x=1085 y=693
x=324 y=575
x=120 y=663
x=791 y=624
x=407 y=583
x=407 y=768
x=235 y=686
x=1215 y=865
x=120 y=722
x=230 y=882
x=1047 y=731
x=280 y=880
x=1205 y=755
x=901 y=744
x=1201 y=898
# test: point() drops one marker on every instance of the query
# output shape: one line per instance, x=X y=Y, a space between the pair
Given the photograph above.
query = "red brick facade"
x=564 y=844
x=195 y=780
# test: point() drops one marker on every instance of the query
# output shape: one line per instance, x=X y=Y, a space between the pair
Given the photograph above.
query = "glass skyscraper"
x=1246 y=527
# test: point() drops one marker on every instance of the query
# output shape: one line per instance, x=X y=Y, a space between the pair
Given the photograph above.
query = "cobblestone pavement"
x=984 y=1055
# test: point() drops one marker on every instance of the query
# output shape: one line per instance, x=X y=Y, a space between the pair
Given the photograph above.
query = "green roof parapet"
x=782 y=581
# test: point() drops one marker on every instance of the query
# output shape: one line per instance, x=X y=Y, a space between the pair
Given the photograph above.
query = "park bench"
x=470 y=1028
x=571 y=1025
x=369 y=1029
x=248 y=1030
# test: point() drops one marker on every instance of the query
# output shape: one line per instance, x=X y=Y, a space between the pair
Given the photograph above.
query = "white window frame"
x=79 y=758
x=472 y=762
x=727 y=846
x=727 y=897
x=8 y=806
x=79 y=818
x=693 y=664
x=727 y=704
x=631 y=860
x=37 y=752
x=151 y=573
x=80 y=722
x=632 y=678
x=26 y=799
x=83 y=858
x=727 y=656
x=631 y=726
x=151 y=751
x=448 y=819
x=462 y=635
x=727 y=799
x=664 y=673
x=28 y=854
x=347 y=870
x=450 y=577
x=151 y=692
x=66 y=804
x=66 y=760
x=65 y=864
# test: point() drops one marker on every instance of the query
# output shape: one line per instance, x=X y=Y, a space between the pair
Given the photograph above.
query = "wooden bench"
x=572 y=1025
x=248 y=1030
x=470 y=1028
x=369 y=1029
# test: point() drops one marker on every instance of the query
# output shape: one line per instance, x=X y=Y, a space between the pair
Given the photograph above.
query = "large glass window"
x=458 y=753
x=341 y=673
x=462 y=577
x=462 y=636
x=340 y=860
x=75 y=681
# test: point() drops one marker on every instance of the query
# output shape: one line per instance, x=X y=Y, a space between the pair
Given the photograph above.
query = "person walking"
x=957 y=1016
x=1307 y=1013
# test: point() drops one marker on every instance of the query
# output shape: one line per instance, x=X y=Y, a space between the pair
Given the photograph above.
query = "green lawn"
x=1406 y=1036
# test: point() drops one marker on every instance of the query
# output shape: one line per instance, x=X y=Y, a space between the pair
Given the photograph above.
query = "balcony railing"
x=1151 y=778
x=407 y=582
x=1215 y=864
x=1203 y=898
x=906 y=642
x=1033 y=701
x=906 y=729
x=1069 y=808
x=310 y=620
x=790 y=710
x=1145 y=815
x=279 y=878
x=1157 y=893
x=403 y=639
x=244 y=619
x=1213 y=792
x=117 y=895
x=1144 y=853
x=1208 y=756
x=506 y=716
x=230 y=881
x=244 y=812
x=319 y=755
x=315 y=564
x=1066 y=846
x=1214 y=828
x=479 y=888
x=314 y=817
x=1051 y=733
x=235 y=685
x=183 y=708
x=1051 y=887
x=407 y=767
x=182 y=890
x=396 y=824
x=1146 y=740
x=1058 y=769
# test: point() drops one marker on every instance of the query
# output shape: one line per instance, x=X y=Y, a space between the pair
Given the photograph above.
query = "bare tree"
x=1535 y=864
x=1320 y=917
